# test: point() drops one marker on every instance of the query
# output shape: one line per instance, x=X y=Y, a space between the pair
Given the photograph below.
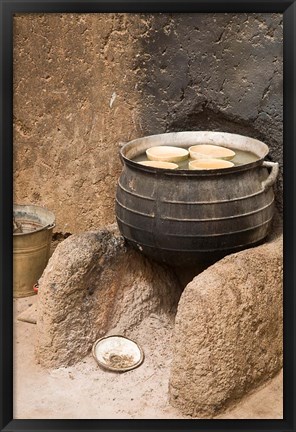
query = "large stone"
x=228 y=331
x=94 y=284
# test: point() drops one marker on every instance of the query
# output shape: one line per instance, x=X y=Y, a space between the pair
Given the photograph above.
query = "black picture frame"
x=8 y=9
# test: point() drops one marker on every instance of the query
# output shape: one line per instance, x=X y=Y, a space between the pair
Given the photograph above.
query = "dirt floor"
x=85 y=391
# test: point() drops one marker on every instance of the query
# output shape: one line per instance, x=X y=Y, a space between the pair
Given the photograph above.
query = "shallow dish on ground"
x=203 y=151
x=209 y=163
x=167 y=153
x=117 y=353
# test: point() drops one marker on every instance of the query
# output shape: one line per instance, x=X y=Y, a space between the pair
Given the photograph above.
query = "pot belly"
x=193 y=219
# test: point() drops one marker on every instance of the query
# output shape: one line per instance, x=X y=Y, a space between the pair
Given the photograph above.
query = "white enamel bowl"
x=117 y=353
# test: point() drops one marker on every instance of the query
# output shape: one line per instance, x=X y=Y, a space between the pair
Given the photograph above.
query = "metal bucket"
x=31 y=247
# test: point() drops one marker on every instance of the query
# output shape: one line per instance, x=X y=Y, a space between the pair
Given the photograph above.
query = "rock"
x=92 y=284
x=228 y=331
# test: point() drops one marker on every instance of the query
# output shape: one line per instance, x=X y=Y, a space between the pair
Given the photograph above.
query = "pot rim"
x=188 y=138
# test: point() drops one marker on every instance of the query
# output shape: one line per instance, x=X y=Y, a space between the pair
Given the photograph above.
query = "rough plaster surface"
x=83 y=83
x=91 y=285
x=228 y=331
x=74 y=102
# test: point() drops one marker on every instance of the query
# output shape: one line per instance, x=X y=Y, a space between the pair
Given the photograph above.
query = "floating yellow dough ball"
x=167 y=154
x=159 y=164
x=209 y=164
x=210 y=151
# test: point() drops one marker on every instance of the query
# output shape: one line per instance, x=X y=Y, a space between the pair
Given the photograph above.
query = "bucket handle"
x=50 y=226
x=272 y=176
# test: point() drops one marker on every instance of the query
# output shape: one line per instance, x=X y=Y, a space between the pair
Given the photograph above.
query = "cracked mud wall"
x=84 y=83
x=74 y=101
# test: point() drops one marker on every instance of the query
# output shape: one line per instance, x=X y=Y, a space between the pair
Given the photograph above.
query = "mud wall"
x=84 y=83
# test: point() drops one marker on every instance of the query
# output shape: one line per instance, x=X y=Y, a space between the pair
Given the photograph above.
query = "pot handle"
x=120 y=145
x=273 y=174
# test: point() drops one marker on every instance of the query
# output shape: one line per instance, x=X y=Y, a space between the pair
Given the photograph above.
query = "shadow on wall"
x=220 y=72
x=208 y=117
